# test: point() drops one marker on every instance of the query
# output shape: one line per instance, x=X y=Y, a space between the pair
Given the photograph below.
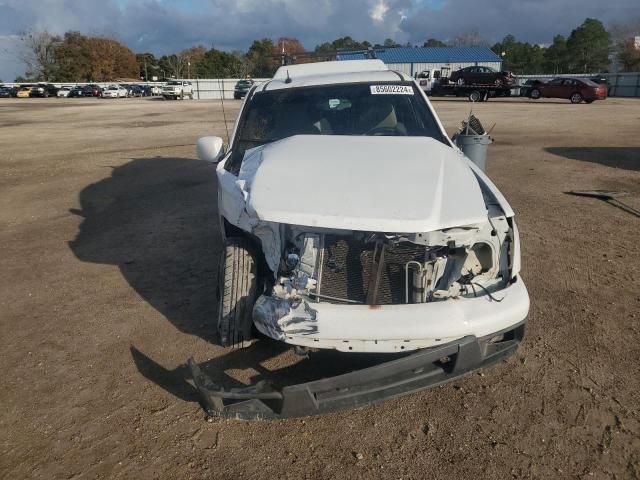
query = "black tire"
x=576 y=97
x=535 y=94
x=475 y=96
x=237 y=293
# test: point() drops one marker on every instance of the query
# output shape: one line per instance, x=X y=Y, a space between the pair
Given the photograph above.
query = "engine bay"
x=351 y=267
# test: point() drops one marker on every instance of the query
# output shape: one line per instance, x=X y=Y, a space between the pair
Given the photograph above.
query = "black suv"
x=44 y=90
x=7 y=92
x=242 y=88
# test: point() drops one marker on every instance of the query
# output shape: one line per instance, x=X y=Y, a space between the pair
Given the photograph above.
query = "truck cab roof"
x=336 y=72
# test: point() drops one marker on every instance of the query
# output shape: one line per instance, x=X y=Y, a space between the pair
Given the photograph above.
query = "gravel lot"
x=110 y=246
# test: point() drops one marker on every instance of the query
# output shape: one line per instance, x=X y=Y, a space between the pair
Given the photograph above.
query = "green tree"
x=434 y=43
x=261 y=58
x=556 y=56
x=73 y=58
x=588 y=47
x=343 y=43
x=519 y=57
x=148 y=64
x=219 y=64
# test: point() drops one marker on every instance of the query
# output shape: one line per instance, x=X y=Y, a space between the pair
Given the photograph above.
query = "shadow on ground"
x=627 y=158
x=156 y=219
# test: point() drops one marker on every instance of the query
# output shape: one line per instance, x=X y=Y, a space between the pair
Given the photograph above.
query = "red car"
x=574 y=89
x=481 y=76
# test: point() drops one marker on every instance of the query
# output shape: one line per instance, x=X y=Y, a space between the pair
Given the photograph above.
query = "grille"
x=348 y=267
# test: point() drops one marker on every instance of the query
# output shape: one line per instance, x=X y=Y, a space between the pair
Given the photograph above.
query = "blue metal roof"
x=425 y=55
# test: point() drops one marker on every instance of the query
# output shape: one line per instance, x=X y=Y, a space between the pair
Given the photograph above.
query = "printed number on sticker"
x=391 y=90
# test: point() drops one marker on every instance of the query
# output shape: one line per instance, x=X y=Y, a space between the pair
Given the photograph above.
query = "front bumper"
x=417 y=371
x=396 y=328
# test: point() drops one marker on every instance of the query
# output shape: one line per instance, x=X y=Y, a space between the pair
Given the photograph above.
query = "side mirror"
x=210 y=149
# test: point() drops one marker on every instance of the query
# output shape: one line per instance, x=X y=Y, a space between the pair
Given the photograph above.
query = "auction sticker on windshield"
x=391 y=90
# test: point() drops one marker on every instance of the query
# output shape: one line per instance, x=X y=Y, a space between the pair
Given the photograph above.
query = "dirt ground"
x=109 y=252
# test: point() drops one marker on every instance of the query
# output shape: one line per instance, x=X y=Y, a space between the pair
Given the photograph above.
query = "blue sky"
x=162 y=26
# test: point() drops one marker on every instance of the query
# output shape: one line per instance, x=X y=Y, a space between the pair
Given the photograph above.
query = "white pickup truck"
x=352 y=223
x=177 y=89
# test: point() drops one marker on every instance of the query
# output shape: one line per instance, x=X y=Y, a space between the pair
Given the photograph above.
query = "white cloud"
x=379 y=11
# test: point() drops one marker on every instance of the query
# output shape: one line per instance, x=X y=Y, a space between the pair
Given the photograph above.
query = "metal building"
x=413 y=60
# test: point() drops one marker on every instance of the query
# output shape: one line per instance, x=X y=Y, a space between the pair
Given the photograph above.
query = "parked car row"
x=45 y=90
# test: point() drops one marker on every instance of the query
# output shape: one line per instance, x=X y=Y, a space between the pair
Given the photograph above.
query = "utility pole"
x=188 y=69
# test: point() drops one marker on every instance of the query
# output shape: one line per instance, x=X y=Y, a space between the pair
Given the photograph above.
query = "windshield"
x=174 y=83
x=386 y=109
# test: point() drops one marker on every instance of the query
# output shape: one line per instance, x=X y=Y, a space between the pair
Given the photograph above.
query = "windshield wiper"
x=258 y=140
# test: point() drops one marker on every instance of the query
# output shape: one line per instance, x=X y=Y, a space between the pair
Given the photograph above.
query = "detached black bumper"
x=423 y=369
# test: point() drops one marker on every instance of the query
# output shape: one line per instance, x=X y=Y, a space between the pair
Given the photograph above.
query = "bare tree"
x=471 y=38
x=621 y=32
x=625 y=55
x=37 y=52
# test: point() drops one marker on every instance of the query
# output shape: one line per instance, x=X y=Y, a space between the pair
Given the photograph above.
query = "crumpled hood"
x=370 y=183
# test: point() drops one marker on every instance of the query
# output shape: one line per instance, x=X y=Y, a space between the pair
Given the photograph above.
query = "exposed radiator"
x=350 y=270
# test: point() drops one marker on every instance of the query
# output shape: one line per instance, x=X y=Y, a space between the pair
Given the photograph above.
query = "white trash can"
x=474 y=147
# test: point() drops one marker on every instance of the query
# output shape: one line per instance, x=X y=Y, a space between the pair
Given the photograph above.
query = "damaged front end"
x=380 y=270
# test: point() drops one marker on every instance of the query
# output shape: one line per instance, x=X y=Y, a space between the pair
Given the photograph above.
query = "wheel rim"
x=535 y=94
x=576 y=98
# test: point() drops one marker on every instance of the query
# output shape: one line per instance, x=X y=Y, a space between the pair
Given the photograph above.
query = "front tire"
x=576 y=98
x=237 y=293
x=535 y=94
x=475 y=96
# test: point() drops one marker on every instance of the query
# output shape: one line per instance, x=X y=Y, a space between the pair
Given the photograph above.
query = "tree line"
x=74 y=57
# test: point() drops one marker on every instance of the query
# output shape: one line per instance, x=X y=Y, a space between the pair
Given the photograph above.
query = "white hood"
x=386 y=184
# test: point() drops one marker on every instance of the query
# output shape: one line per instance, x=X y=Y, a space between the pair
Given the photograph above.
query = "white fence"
x=620 y=84
x=214 y=88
